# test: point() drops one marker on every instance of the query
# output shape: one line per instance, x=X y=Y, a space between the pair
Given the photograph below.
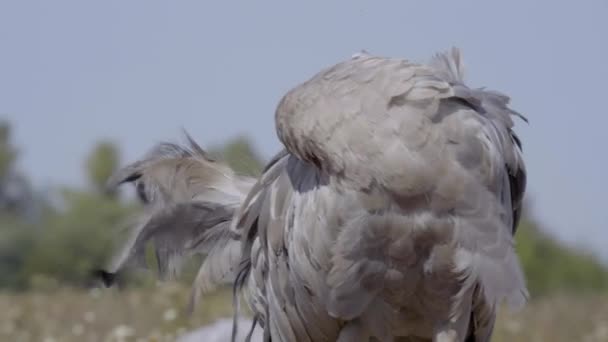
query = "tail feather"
x=450 y=64
x=189 y=202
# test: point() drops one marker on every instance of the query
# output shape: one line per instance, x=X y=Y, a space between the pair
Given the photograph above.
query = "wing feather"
x=189 y=202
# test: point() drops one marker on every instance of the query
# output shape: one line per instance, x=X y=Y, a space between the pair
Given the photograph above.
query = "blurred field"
x=105 y=314
x=157 y=315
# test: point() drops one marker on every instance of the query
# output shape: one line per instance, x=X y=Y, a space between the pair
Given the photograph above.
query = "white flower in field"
x=89 y=317
x=77 y=329
x=95 y=292
x=170 y=315
x=122 y=331
x=513 y=326
x=601 y=332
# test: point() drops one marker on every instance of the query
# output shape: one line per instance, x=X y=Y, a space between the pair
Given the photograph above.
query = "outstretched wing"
x=189 y=202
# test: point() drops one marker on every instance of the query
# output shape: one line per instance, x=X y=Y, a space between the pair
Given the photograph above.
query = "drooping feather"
x=189 y=202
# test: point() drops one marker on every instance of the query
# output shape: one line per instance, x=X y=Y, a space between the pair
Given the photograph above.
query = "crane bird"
x=388 y=216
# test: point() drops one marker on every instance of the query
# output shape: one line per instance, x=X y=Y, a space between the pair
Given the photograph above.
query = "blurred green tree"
x=8 y=153
x=16 y=241
x=102 y=162
x=76 y=240
x=77 y=234
x=240 y=153
x=550 y=266
x=17 y=233
x=16 y=196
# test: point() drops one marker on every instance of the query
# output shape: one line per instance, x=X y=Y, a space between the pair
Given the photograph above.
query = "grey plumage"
x=389 y=215
x=189 y=200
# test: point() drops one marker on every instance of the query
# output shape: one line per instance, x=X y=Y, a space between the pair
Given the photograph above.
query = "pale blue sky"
x=72 y=72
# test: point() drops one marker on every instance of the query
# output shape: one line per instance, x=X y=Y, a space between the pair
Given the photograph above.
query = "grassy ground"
x=105 y=315
x=158 y=315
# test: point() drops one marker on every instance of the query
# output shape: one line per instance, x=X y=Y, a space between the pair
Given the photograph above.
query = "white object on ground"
x=220 y=331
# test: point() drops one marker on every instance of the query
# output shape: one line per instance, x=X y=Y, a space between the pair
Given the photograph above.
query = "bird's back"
x=392 y=210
